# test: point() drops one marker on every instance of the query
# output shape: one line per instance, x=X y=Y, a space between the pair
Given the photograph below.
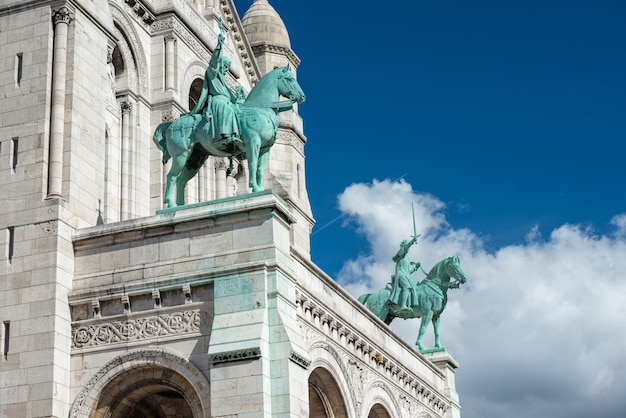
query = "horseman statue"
x=221 y=110
x=226 y=124
x=405 y=297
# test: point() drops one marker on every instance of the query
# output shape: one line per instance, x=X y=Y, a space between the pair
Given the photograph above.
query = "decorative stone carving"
x=236 y=355
x=48 y=228
x=289 y=138
x=141 y=11
x=300 y=360
x=362 y=364
x=144 y=328
x=126 y=107
x=62 y=15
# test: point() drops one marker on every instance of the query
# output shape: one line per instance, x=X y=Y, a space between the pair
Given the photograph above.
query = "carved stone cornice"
x=266 y=47
x=141 y=12
x=288 y=137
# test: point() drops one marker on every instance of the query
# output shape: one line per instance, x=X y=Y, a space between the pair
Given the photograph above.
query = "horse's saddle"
x=184 y=125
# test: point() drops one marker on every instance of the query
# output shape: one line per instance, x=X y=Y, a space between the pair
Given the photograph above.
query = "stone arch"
x=329 y=381
x=130 y=44
x=195 y=71
x=325 y=396
x=133 y=383
x=378 y=401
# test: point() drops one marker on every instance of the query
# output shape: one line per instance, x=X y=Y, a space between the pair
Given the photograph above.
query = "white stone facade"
x=214 y=310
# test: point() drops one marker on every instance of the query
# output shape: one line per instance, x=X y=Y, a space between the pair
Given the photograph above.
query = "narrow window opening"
x=6 y=330
x=299 y=180
x=11 y=242
x=14 y=144
x=19 y=64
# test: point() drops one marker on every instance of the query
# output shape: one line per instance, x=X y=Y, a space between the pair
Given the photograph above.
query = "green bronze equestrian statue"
x=225 y=124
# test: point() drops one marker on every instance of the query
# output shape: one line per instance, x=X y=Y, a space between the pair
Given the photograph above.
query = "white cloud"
x=540 y=329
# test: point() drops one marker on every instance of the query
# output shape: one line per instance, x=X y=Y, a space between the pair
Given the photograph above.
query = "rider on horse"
x=403 y=287
x=221 y=110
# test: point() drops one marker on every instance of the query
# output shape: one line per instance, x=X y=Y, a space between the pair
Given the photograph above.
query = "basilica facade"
x=113 y=305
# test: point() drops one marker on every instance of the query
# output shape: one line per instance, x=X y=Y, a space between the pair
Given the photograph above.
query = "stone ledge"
x=213 y=213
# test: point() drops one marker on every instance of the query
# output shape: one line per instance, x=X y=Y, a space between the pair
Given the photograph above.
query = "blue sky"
x=504 y=123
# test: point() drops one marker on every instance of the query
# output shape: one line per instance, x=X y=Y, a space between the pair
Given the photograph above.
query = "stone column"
x=170 y=66
x=61 y=19
x=221 y=165
x=127 y=107
x=231 y=180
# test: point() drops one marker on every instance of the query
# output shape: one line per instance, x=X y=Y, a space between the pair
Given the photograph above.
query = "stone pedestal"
x=446 y=363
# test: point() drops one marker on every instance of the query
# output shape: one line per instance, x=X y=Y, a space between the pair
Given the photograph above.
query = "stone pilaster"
x=444 y=361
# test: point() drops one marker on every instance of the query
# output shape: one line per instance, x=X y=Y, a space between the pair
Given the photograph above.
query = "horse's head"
x=288 y=85
x=454 y=269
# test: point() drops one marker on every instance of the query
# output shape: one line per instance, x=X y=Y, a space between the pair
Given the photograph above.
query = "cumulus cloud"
x=540 y=328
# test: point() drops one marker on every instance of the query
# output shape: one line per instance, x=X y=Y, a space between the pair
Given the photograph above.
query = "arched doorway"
x=148 y=383
x=147 y=392
x=325 y=397
x=138 y=394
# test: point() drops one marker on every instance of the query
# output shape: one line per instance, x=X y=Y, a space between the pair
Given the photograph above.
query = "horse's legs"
x=178 y=163
x=426 y=318
x=260 y=171
x=436 y=321
x=185 y=175
x=253 y=147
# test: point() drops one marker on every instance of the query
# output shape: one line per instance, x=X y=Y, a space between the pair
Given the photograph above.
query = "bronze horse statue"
x=189 y=140
x=428 y=300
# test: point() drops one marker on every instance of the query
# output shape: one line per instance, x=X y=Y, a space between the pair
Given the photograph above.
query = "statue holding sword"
x=403 y=287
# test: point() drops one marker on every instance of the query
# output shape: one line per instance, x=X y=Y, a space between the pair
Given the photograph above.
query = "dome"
x=262 y=24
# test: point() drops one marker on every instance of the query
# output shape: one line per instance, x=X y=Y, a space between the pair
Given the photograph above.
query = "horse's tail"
x=363 y=298
x=161 y=141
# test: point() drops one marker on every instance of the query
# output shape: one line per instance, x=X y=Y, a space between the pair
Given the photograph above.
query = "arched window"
x=194 y=92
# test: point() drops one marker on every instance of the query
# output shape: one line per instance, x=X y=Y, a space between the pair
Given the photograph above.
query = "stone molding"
x=173 y=25
x=300 y=360
x=235 y=355
x=142 y=14
x=288 y=137
x=143 y=328
x=364 y=364
x=266 y=47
